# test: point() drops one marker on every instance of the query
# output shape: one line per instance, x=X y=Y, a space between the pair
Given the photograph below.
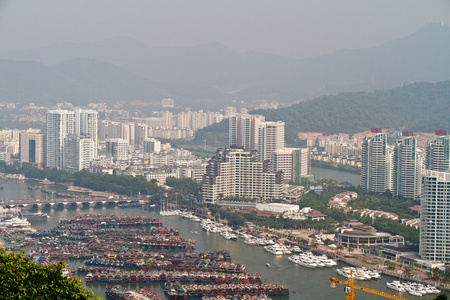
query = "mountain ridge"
x=214 y=72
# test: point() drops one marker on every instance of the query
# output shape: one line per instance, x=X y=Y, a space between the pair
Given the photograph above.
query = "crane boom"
x=364 y=289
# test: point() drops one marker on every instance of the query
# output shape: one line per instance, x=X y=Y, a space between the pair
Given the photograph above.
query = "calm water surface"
x=340 y=176
x=308 y=284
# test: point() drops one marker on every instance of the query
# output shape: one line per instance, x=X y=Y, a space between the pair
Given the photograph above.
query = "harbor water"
x=304 y=283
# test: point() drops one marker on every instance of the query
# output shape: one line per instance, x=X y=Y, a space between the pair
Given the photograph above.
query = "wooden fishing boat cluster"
x=181 y=264
x=136 y=249
x=119 y=293
x=120 y=276
x=113 y=221
x=176 y=290
x=84 y=237
x=244 y=297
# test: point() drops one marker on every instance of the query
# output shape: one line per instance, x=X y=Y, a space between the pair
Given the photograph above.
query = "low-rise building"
x=277 y=207
x=357 y=234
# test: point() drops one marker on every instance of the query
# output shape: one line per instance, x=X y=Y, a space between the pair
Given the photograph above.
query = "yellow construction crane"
x=349 y=287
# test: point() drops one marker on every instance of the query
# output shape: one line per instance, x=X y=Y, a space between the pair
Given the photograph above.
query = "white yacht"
x=396 y=286
x=274 y=249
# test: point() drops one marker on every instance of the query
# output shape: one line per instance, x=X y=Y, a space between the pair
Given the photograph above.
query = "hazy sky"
x=295 y=28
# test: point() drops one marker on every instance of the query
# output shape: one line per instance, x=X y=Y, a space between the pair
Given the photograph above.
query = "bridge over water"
x=68 y=201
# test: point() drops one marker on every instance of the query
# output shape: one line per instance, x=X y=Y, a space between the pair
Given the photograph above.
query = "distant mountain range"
x=211 y=75
x=84 y=80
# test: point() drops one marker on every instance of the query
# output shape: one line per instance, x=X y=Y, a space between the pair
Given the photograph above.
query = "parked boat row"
x=277 y=249
x=310 y=260
x=244 y=297
x=119 y=293
x=167 y=264
x=117 y=276
x=37 y=216
x=359 y=273
x=116 y=250
x=178 y=291
x=413 y=288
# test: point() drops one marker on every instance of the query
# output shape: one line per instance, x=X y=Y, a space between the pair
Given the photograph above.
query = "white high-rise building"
x=60 y=124
x=435 y=217
x=390 y=168
x=438 y=152
x=233 y=130
x=32 y=147
x=408 y=167
x=141 y=133
x=244 y=131
x=374 y=171
x=79 y=151
x=295 y=163
x=152 y=146
x=235 y=172
x=251 y=132
x=117 y=149
x=282 y=160
x=274 y=138
x=86 y=124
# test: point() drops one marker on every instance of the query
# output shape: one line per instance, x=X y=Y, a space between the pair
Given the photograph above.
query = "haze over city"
x=165 y=149
x=297 y=29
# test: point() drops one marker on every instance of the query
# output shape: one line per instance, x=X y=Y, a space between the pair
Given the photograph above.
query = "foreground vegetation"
x=23 y=279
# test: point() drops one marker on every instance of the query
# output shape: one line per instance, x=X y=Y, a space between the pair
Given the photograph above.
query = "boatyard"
x=137 y=249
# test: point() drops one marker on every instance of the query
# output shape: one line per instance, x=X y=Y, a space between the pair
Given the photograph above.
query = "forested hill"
x=416 y=107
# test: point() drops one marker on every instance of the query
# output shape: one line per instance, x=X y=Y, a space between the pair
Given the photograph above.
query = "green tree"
x=23 y=279
x=441 y=296
x=408 y=271
x=315 y=245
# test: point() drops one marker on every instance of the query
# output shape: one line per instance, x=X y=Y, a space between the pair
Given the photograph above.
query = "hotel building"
x=235 y=172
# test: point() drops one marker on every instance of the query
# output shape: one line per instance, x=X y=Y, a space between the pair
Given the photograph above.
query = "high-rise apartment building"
x=79 y=151
x=282 y=160
x=141 y=133
x=295 y=163
x=32 y=147
x=235 y=172
x=435 y=216
x=60 y=124
x=152 y=146
x=117 y=149
x=390 y=167
x=408 y=167
x=438 y=152
x=168 y=119
x=244 y=131
x=251 y=132
x=86 y=124
x=374 y=171
x=301 y=164
x=274 y=138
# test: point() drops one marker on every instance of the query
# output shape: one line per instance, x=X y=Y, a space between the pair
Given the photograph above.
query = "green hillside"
x=416 y=107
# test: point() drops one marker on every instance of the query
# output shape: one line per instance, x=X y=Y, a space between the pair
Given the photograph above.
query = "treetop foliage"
x=23 y=279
